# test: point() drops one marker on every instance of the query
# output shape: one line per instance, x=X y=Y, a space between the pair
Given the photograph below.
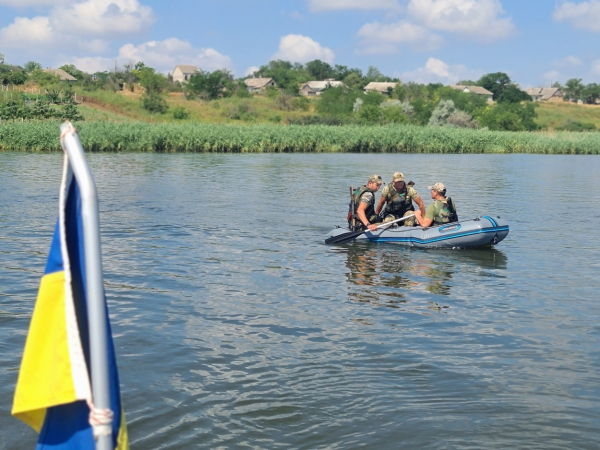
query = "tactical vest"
x=398 y=202
x=444 y=212
x=370 y=210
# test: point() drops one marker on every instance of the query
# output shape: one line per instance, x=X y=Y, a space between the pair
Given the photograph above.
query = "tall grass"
x=193 y=137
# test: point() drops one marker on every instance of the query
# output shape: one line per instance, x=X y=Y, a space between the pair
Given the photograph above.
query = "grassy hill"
x=125 y=106
x=554 y=115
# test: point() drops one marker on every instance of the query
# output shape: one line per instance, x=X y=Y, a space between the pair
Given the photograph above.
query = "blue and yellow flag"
x=53 y=389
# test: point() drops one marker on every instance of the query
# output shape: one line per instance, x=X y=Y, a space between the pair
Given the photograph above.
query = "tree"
x=319 y=70
x=440 y=114
x=30 y=66
x=286 y=75
x=72 y=70
x=70 y=112
x=509 y=117
x=512 y=94
x=353 y=81
x=153 y=102
x=211 y=85
x=337 y=101
x=591 y=93
x=495 y=82
x=16 y=77
x=573 y=89
x=150 y=80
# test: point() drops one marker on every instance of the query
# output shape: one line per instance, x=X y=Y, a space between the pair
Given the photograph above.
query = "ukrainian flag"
x=53 y=389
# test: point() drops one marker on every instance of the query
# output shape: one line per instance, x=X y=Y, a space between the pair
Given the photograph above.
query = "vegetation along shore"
x=265 y=138
x=285 y=107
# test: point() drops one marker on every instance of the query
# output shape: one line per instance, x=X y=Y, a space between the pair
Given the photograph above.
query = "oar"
x=340 y=239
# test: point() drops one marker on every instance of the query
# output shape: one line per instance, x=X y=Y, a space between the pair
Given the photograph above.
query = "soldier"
x=398 y=198
x=441 y=211
x=364 y=204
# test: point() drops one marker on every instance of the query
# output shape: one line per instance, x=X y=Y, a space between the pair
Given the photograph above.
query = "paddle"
x=340 y=239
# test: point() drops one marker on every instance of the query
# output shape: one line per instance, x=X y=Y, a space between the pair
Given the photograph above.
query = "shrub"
x=154 y=103
x=577 y=126
x=180 y=113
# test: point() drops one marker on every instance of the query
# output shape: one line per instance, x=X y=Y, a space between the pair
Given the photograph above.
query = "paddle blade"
x=341 y=238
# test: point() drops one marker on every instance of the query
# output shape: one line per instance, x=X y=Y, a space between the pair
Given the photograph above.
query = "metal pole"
x=94 y=281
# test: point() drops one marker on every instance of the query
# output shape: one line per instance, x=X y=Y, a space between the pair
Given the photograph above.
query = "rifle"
x=352 y=212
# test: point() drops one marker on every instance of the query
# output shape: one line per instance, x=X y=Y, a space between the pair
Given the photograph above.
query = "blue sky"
x=535 y=42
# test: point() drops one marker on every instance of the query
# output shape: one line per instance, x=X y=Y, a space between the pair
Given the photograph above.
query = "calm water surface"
x=236 y=327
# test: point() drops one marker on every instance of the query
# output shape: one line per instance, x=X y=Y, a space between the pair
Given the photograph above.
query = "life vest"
x=369 y=211
x=444 y=212
x=397 y=201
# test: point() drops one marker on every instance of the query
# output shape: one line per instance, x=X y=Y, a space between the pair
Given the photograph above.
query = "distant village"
x=182 y=74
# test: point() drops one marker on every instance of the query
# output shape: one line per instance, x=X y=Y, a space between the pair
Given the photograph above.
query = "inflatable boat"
x=480 y=232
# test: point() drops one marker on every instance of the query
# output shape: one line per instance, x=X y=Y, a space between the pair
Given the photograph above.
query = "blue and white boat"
x=480 y=232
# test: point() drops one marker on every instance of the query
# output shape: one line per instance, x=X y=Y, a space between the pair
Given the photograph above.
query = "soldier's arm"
x=380 y=205
x=360 y=212
x=419 y=202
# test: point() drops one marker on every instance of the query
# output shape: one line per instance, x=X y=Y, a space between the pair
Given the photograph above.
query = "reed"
x=194 y=137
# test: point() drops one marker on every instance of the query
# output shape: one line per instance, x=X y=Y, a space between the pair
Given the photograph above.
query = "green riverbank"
x=194 y=137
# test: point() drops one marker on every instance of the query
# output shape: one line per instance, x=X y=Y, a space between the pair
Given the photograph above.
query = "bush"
x=241 y=112
x=69 y=112
x=302 y=103
x=577 y=126
x=154 y=103
x=285 y=102
x=180 y=113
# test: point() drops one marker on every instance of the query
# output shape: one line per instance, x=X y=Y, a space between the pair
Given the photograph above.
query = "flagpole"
x=95 y=286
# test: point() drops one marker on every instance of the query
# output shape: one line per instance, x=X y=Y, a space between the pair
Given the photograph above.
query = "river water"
x=237 y=327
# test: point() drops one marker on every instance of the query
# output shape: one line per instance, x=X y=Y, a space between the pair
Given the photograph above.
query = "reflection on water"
x=387 y=275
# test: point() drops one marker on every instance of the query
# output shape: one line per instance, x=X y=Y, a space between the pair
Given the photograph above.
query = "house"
x=64 y=76
x=183 y=72
x=314 y=88
x=382 y=87
x=257 y=85
x=545 y=94
x=476 y=90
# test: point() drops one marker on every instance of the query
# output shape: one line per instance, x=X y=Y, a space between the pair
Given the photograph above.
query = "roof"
x=544 y=93
x=380 y=86
x=475 y=89
x=320 y=85
x=64 y=76
x=186 y=68
x=257 y=83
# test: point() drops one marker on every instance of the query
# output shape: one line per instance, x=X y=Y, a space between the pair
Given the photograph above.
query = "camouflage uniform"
x=399 y=204
x=365 y=195
x=441 y=212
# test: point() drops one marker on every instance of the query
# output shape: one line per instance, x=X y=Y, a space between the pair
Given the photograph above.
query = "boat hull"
x=480 y=232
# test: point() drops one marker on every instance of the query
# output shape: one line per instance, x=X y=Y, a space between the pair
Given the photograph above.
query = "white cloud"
x=567 y=61
x=251 y=70
x=437 y=71
x=596 y=67
x=385 y=38
x=165 y=55
x=584 y=15
x=479 y=18
x=336 y=5
x=103 y=18
x=91 y=64
x=26 y=3
x=24 y=32
x=296 y=15
x=298 y=48
x=38 y=35
x=550 y=77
